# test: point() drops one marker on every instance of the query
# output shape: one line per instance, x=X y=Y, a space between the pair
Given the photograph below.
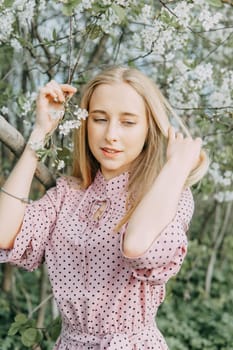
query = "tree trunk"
x=16 y=143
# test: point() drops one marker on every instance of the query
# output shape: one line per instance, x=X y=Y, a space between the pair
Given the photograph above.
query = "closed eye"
x=128 y=122
x=99 y=119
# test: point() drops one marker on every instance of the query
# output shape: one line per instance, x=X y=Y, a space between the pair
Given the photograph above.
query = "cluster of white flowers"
x=6 y=24
x=25 y=11
x=21 y=9
x=68 y=125
x=222 y=94
x=27 y=105
x=124 y=3
x=224 y=179
x=183 y=11
x=61 y=165
x=146 y=15
x=15 y=44
x=202 y=74
x=107 y=20
x=208 y=19
x=4 y=110
x=198 y=12
x=224 y=196
x=86 y=4
x=42 y=5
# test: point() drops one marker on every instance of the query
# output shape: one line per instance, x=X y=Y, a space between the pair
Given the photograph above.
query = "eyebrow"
x=129 y=114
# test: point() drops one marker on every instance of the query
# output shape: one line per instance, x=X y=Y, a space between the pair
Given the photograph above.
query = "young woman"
x=114 y=233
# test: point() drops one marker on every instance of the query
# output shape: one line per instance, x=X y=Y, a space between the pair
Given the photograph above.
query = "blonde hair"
x=148 y=164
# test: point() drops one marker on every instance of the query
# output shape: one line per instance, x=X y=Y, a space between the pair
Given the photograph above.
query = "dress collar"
x=107 y=188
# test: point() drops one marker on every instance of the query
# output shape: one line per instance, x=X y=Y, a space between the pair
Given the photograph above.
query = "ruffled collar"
x=108 y=188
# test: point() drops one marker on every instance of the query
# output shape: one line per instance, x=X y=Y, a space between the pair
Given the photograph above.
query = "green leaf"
x=8 y=3
x=54 y=35
x=55 y=329
x=21 y=319
x=14 y=328
x=68 y=8
x=63 y=153
x=29 y=337
x=215 y=3
x=120 y=11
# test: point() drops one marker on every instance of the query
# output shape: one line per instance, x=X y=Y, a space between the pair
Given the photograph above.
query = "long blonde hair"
x=148 y=164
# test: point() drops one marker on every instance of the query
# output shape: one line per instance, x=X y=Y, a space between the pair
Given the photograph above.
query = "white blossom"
x=68 y=125
x=61 y=164
x=124 y=3
x=4 y=110
x=224 y=179
x=183 y=13
x=42 y=5
x=15 y=44
x=6 y=24
x=208 y=19
x=87 y=4
x=146 y=14
x=81 y=113
x=27 y=106
x=224 y=196
x=107 y=20
x=26 y=13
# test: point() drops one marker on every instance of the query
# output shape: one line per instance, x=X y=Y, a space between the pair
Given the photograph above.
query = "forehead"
x=120 y=96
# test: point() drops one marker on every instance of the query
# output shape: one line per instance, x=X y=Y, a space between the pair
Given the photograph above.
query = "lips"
x=110 y=150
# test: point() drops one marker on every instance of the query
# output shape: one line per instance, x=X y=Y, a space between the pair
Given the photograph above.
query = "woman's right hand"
x=50 y=105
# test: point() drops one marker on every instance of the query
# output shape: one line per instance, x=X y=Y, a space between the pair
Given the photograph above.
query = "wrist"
x=37 y=135
x=178 y=169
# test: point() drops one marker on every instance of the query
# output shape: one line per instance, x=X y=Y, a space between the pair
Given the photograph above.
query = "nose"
x=112 y=133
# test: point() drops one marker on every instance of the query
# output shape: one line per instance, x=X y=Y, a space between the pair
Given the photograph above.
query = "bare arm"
x=159 y=205
x=19 y=182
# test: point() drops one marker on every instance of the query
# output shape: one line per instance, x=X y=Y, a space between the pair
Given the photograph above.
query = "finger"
x=179 y=136
x=171 y=133
x=47 y=92
x=58 y=90
x=198 y=140
x=68 y=88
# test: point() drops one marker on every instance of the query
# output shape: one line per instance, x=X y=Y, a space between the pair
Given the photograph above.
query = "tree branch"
x=16 y=143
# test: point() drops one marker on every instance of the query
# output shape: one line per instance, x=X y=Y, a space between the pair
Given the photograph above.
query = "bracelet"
x=23 y=200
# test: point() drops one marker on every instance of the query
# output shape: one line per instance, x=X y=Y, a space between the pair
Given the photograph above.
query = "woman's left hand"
x=185 y=150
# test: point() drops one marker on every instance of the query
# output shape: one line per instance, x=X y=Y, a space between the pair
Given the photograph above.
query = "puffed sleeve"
x=166 y=254
x=38 y=223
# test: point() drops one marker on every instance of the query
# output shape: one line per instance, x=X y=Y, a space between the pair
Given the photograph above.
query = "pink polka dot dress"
x=107 y=301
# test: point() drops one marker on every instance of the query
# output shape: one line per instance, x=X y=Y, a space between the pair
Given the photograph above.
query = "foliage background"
x=186 y=47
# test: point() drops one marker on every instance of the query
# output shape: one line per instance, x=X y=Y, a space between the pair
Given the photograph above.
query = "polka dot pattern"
x=107 y=301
